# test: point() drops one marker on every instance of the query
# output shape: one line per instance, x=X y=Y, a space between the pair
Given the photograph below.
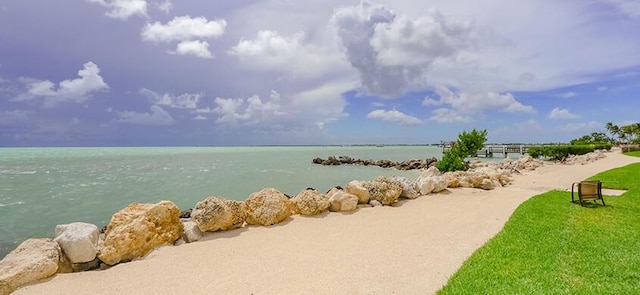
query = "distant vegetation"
x=468 y=144
x=627 y=134
x=552 y=246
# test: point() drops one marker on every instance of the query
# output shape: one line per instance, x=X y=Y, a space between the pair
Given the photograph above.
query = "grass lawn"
x=552 y=246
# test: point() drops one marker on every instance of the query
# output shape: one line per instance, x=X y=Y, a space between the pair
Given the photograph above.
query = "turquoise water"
x=43 y=187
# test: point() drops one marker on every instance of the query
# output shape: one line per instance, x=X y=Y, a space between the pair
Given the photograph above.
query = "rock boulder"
x=341 y=201
x=384 y=190
x=33 y=260
x=78 y=240
x=214 y=213
x=358 y=189
x=310 y=202
x=137 y=229
x=267 y=207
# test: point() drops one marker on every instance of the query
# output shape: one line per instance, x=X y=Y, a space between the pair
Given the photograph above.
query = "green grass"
x=552 y=246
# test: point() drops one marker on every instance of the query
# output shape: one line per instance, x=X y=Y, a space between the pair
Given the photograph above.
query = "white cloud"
x=569 y=94
x=183 y=101
x=290 y=55
x=558 y=113
x=165 y=6
x=196 y=48
x=156 y=117
x=183 y=28
x=603 y=88
x=394 y=116
x=475 y=102
x=393 y=54
x=444 y=115
x=77 y=90
x=421 y=41
x=268 y=43
x=249 y=111
x=378 y=104
x=200 y=118
x=123 y=9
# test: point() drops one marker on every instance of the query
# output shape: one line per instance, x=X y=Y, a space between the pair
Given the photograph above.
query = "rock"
x=341 y=201
x=384 y=189
x=267 y=207
x=137 y=229
x=186 y=213
x=357 y=188
x=214 y=213
x=94 y=264
x=432 y=171
x=409 y=188
x=375 y=203
x=487 y=184
x=192 y=232
x=310 y=202
x=64 y=265
x=33 y=260
x=425 y=185
x=441 y=184
x=78 y=241
x=432 y=181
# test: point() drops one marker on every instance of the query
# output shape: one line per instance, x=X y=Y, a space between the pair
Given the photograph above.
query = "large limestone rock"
x=78 y=240
x=267 y=207
x=341 y=201
x=192 y=232
x=310 y=202
x=213 y=214
x=384 y=190
x=432 y=181
x=137 y=229
x=33 y=260
x=358 y=189
x=409 y=188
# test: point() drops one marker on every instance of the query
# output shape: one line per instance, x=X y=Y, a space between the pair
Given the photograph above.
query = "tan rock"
x=310 y=202
x=267 y=207
x=384 y=189
x=357 y=188
x=341 y=201
x=33 y=260
x=214 y=213
x=137 y=229
x=409 y=188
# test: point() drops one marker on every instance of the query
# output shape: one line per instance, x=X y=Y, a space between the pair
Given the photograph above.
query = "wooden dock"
x=488 y=151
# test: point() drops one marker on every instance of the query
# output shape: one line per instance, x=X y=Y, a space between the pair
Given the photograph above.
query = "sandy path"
x=411 y=248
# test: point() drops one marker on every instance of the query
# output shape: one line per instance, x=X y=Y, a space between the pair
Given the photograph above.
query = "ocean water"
x=43 y=187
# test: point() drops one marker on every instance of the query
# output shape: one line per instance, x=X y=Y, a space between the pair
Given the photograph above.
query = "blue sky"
x=166 y=72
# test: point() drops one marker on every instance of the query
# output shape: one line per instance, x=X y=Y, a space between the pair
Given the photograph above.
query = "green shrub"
x=561 y=152
x=468 y=144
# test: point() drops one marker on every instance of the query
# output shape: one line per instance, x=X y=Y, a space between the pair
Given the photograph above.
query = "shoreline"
x=411 y=247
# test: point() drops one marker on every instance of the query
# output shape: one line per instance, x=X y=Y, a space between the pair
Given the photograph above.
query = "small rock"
x=192 y=232
x=78 y=241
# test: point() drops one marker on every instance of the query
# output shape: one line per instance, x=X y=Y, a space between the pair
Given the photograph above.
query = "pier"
x=488 y=151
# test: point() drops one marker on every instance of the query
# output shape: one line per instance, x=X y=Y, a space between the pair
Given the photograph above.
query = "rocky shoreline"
x=403 y=165
x=137 y=229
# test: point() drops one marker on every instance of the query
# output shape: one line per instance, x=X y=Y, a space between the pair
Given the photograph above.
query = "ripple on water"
x=12 y=204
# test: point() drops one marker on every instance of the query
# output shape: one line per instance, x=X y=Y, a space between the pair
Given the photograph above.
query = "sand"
x=412 y=247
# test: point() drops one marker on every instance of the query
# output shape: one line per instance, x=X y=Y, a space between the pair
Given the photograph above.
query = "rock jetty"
x=404 y=165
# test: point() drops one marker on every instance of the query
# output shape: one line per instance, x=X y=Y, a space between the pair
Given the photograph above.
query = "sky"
x=285 y=72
